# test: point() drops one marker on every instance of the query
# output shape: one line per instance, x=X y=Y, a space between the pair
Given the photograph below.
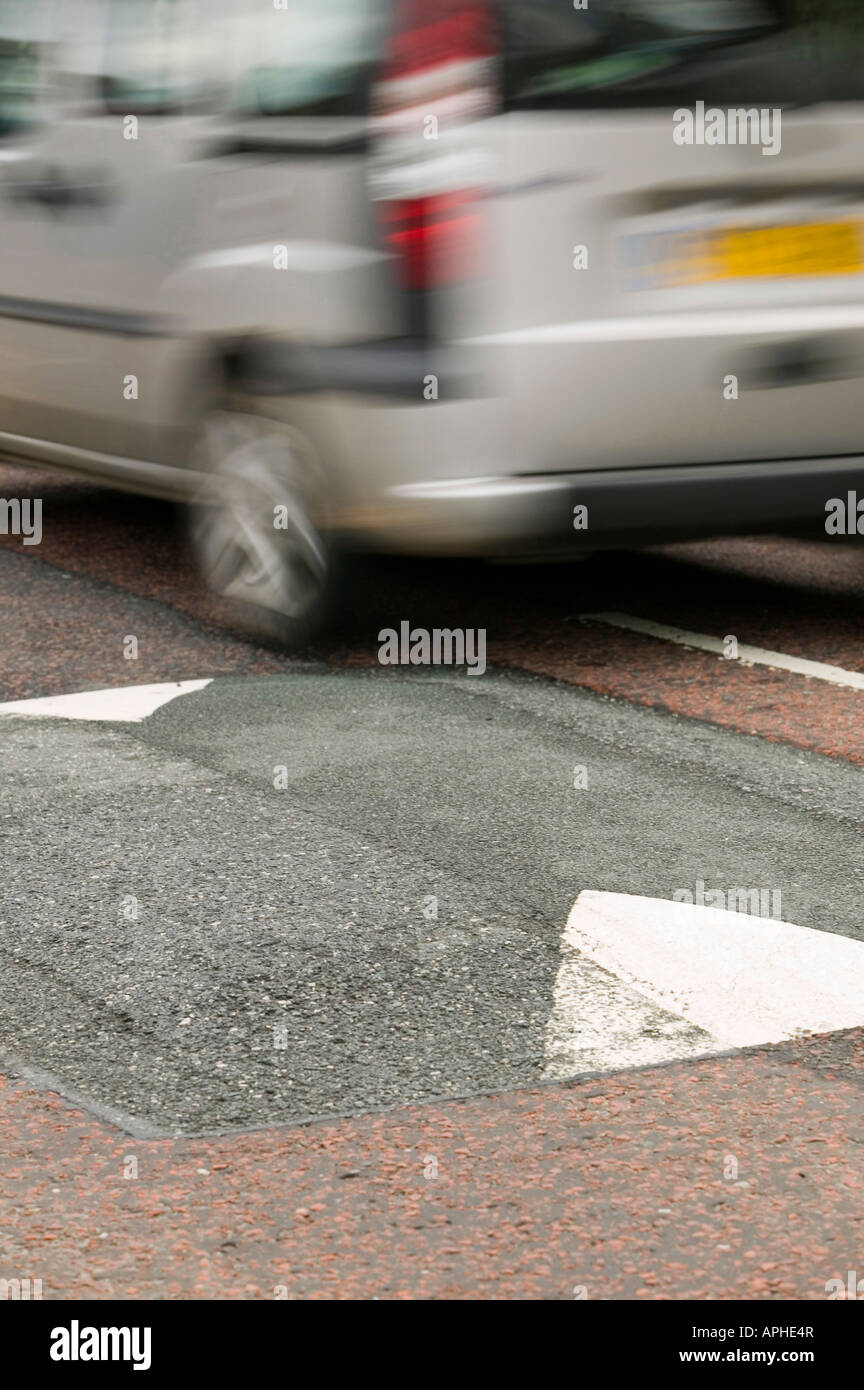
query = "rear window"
x=624 y=53
x=21 y=53
x=19 y=68
x=309 y=57
x=157 y=56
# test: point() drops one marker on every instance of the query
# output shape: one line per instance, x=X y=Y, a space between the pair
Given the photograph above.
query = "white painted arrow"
x=714 y=979
x=126 y=705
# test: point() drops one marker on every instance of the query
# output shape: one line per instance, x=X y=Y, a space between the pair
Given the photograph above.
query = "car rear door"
x=95 y=212
x=662 y=302
x=198 y=175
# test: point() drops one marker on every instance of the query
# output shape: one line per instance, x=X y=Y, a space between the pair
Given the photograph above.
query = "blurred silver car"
x=439 y=276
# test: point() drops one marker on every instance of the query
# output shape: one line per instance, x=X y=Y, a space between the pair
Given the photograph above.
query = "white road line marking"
x=126 y=705
x=740 y=980
x=747 y=655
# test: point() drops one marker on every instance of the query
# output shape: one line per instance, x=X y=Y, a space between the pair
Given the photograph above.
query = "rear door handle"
x=59 y=192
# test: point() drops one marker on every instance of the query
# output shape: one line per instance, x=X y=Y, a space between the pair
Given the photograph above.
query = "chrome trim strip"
x=124 y=324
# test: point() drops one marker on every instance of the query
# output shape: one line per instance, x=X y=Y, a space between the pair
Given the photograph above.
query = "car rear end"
x=599 y=311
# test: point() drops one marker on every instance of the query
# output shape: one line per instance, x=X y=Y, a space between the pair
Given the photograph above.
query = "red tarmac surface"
x=801 y=597
x=622 y=1187
x=615 y=1184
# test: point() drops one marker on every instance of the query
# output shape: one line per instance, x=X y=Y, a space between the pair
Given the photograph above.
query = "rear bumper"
x=534 y=514
x=504 y=512
x=386 y=369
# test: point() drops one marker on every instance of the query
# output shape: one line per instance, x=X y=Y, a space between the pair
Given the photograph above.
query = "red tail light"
x=436 y=239
x=437 y=77
x=435 y=34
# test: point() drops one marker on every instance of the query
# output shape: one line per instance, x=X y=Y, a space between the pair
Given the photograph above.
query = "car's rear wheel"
x=258 y=530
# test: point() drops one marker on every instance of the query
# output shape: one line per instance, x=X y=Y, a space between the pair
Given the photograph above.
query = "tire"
x=257 y=533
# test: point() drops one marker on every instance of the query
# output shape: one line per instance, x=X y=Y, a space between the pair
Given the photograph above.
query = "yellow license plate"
x=747 y=253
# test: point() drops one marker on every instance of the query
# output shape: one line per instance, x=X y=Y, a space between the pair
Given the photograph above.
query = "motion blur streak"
x=494 y=277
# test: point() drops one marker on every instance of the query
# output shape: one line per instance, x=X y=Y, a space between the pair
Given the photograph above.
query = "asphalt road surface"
x=297 y=941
